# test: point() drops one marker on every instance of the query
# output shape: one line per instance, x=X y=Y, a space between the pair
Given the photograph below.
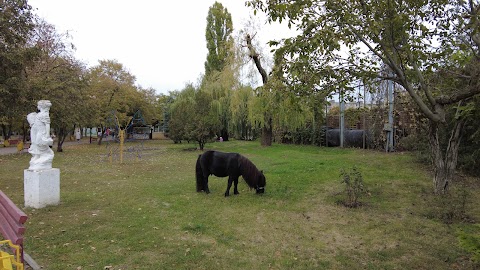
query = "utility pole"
x=389 y=127
x=364 y=139
x=342 y=118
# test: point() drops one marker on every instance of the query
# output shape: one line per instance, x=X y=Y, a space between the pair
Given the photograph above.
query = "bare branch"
x=256 y=59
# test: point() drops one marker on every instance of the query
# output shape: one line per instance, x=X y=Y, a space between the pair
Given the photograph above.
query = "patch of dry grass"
x=145 y=213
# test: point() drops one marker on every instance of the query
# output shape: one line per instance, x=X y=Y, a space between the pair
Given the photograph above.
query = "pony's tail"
x=199 y=174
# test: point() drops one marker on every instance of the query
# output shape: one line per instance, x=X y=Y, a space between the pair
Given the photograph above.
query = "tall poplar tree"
x=218 y=36
x=218 y=80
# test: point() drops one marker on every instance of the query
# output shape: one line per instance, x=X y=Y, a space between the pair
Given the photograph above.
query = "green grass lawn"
x=146 y=213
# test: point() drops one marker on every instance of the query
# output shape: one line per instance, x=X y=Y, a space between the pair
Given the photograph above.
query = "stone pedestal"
x=41 y=187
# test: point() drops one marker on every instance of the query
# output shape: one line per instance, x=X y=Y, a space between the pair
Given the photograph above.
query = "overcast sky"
x=161 y=43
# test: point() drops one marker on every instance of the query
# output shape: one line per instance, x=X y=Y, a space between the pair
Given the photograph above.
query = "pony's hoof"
x=226 y=194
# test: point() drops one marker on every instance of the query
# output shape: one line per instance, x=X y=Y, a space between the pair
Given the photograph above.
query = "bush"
x=354 y=187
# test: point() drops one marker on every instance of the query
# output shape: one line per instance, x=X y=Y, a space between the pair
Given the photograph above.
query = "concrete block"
x=42 y=187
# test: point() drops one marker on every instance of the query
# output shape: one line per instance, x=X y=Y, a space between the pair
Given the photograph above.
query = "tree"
x=69 y=100
x=16 y=26
x=241 y=100
x=219 y=67
x=113 y=91
x=469 y=153
x=274 y=105
x=181 y=112
x=145 y=100
x=218 y=35
x=264 y=95
x=162 y=107
x=57 y=76
x=220 y=86
x=193 y=116
x=344 y=41
x=205 y=120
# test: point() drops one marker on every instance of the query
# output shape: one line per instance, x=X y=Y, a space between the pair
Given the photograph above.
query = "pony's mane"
x=249 y=171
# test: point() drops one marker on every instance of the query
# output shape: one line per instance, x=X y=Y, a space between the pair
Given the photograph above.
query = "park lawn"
x=146 y=214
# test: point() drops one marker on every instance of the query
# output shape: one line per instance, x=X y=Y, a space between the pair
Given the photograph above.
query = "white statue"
x=41 y=140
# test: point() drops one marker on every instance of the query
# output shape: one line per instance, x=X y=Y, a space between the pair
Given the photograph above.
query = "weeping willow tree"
x=274 y=107
x=220 y=85
x=241 y=125
x=286 y=111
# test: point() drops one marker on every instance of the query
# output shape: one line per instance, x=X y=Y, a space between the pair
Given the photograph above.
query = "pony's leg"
x=235 y=184
x=205 y=184
x=230 y=181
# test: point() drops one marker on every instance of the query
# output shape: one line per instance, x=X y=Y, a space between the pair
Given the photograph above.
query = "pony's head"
x=254 y=177
x=261 y=182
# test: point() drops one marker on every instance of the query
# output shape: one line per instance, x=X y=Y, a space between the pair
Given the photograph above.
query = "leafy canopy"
x=341 y=42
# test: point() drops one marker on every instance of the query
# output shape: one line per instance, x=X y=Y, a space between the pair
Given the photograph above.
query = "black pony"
x=228 y=164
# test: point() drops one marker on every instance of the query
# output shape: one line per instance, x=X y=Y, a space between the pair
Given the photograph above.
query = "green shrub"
x=354 y=187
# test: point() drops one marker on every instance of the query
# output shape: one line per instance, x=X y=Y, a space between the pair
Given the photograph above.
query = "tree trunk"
x=6 y=132
x=444 y=164
x=61 y=135
x=267 y=132
x=224 y=134
x=201 y=144
x=101 y=137
x=25 y=130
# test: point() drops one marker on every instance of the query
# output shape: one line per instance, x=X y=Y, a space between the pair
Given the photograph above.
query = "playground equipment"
x=7 y=261
x=126 y=134
x=137 y=127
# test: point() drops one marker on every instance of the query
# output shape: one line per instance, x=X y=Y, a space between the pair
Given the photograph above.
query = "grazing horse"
x=228 y=164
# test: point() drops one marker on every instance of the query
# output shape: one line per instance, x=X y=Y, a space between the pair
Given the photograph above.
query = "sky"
x=161 y=43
